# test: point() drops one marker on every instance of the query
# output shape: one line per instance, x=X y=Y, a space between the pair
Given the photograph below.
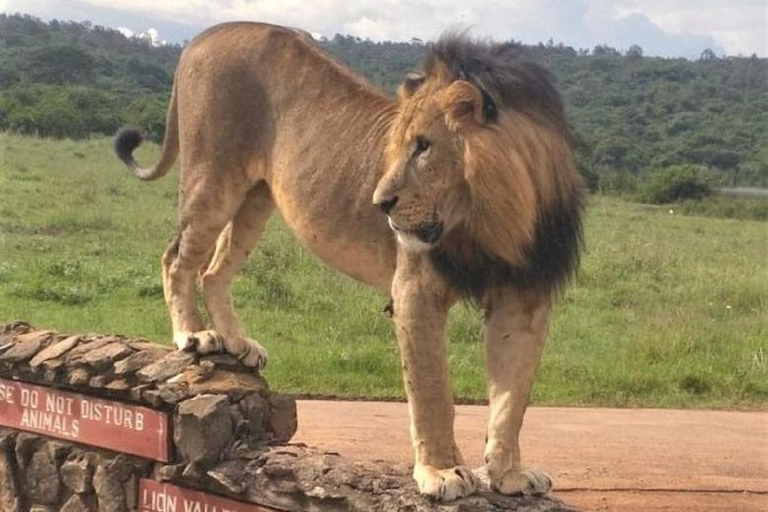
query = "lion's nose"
x=387 y=204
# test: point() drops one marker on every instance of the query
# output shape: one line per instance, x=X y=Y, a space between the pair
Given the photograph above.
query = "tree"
x=708 y=55
x=635 y=52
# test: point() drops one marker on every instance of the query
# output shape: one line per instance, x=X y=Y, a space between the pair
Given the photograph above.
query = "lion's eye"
x=422 y=145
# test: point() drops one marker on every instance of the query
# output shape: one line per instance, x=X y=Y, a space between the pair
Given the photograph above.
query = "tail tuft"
x=126 y=140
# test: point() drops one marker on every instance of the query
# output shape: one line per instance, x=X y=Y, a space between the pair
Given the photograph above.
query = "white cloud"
x=152 y=34
x=667 y=27
x=126 y=31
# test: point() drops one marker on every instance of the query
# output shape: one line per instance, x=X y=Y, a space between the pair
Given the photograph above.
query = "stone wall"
x=229 y=436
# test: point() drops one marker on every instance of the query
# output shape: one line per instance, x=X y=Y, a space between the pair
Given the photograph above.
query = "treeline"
x=630 y=114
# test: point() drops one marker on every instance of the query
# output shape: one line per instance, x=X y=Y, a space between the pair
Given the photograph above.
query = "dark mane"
x=551 y=260
x=502 y=71
x=510 y=81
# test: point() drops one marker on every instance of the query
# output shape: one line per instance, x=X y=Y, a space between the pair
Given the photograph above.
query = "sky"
x=669 y=28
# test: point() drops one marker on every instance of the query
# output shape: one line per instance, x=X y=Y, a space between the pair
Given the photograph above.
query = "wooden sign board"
x=84 y=419
x=163 y=497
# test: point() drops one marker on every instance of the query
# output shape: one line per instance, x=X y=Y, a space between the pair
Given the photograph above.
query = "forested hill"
x=630 y=114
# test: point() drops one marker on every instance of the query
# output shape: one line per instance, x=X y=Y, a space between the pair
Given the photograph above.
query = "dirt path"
x=614 y=459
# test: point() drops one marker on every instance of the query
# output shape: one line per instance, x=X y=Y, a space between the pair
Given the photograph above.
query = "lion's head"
x=480 y=169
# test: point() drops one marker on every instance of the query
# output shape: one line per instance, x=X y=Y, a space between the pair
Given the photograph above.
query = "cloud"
x=661 y=27
x=152 y=34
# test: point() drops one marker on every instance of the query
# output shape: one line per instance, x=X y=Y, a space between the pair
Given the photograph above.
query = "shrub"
x=674 y=184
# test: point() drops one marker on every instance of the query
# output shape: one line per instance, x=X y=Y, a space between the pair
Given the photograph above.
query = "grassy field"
x=668 y=310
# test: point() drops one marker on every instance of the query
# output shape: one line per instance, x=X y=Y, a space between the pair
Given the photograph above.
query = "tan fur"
x=265 y=120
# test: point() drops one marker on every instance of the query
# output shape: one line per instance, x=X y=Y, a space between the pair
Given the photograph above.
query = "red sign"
x=162 y=497
x=84 y=419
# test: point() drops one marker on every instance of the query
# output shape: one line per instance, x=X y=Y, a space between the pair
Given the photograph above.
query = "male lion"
x=462 y=188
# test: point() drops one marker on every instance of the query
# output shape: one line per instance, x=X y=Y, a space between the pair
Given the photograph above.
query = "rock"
x=55 y=350
x=152 y=397
x=9 y=330
x=136 y=361
x=202 y=428
x=235 y=385
x=300 y=478
x=41 y=479
x=77 y=503
x=97 y=381
x=140 y=345
x=136 y=391
x=132 y=492
x=283 y=421
x=52 y=364
x=109 y=481
x=77 y=473
x=10 y=500
x=26 y=445
x=255 y=409
x=41 y=508
x=229 y=475
x=118 y=385
x=169 y=365
x=104 y=357
x=168 y=472
x=26 y=346
x=78 y=377
x=206 y=369
x=86 y=345
x=58 y=450
x=226 y=361
x=173 y=392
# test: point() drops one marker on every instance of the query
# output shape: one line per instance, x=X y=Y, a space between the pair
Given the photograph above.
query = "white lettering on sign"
x=109 y=424
x=7 y=394
x=161 y=501
x=163 y=497
x=112 y=414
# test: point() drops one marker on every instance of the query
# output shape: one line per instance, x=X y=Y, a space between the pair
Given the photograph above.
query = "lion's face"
x=423 y=192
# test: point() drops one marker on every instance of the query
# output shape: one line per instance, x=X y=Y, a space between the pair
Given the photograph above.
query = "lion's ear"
x=411 y=83
x=463 y=103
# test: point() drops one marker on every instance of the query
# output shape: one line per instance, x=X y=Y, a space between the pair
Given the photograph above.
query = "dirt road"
x=611 y=459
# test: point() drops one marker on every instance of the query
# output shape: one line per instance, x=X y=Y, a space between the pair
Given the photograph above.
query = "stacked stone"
x=220 y=408
x=225 y=427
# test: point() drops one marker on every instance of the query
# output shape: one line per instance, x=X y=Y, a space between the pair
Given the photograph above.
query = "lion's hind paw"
x=445 y=484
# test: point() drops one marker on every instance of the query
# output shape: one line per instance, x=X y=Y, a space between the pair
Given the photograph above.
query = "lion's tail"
x=128 y=139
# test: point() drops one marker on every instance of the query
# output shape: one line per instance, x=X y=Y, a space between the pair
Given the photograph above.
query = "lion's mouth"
x=428 y=233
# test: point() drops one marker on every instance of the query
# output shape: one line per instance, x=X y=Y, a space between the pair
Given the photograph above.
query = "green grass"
x=668 y=310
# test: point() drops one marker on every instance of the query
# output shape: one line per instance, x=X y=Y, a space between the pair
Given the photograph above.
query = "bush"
x=674 y=184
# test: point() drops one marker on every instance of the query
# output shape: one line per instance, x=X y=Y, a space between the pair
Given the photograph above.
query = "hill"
x=630 y=114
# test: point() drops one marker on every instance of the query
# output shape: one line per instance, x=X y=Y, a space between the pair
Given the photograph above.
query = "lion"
x=463 y=187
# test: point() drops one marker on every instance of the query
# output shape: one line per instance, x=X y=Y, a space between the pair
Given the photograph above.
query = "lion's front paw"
x=445 y=484
x=527 y=481
x=252 y=354
x=202 y=342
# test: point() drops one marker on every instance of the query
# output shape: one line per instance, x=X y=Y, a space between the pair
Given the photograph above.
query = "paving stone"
x=104 y=357
x=26 y=346
x=167 y=366
x=55 y=350
x=136 y=361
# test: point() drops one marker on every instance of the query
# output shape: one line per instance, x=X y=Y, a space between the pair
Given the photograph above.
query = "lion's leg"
x=515 y=330
x=420 y=314
x=233 y=247
x=205 y=209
